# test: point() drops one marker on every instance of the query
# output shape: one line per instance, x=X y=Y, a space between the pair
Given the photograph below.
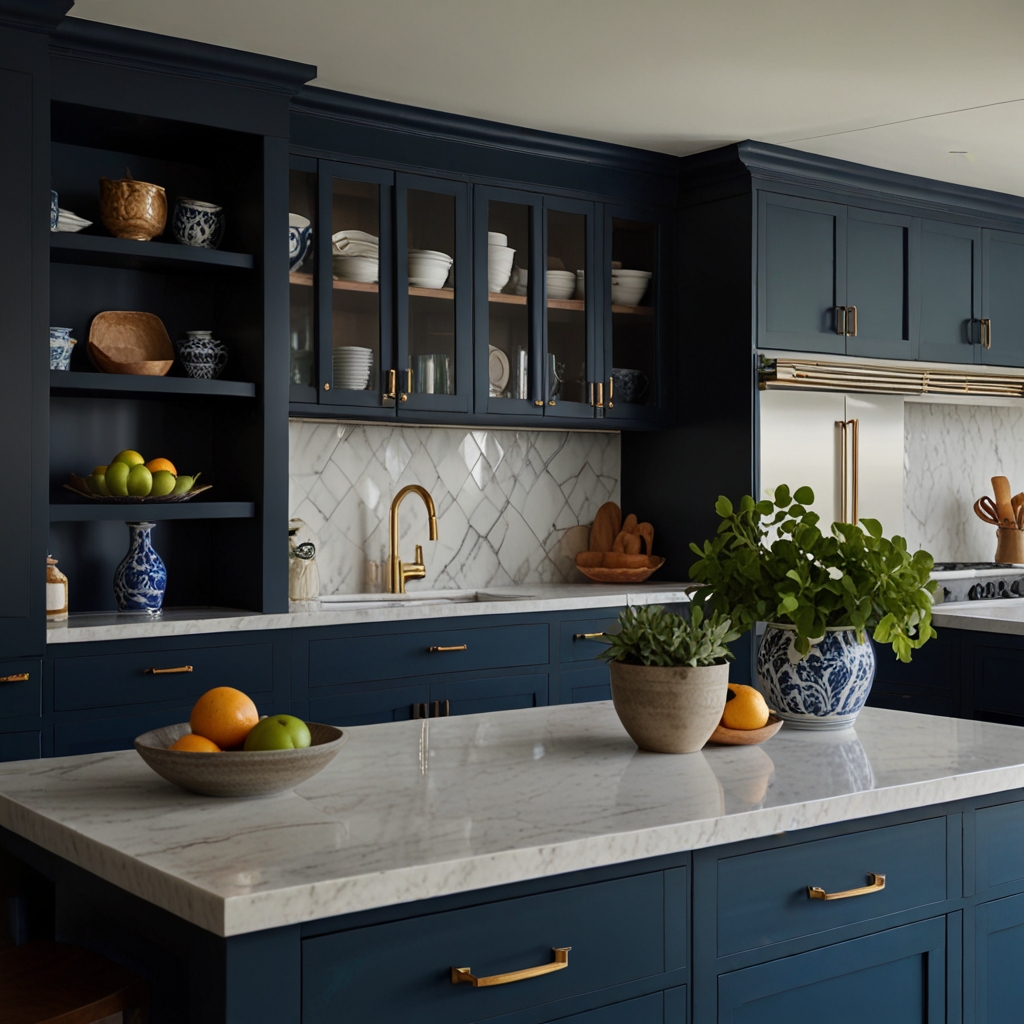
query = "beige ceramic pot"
x=132 y=209
x=669 y=710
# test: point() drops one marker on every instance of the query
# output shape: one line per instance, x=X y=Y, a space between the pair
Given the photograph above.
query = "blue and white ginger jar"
x=141 y=578
x=824 y=689
x=197 y=223
x=300 y=234
x=202 y=355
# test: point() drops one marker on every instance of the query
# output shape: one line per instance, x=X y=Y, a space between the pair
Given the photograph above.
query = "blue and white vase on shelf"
x=824 y=689
x=54 y=210
x=197 y=223
x=141 y=578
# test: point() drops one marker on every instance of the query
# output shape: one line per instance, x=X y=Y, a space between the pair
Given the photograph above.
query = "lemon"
x=163 y=483
x=116 y=479
x=744 y=708
x=129 y=458
x=140 y=481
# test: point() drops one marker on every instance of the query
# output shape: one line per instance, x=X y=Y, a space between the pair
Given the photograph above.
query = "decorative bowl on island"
x=238 y=772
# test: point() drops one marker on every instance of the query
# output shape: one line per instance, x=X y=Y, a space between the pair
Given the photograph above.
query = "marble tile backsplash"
x=513 y=506
x=951 y=453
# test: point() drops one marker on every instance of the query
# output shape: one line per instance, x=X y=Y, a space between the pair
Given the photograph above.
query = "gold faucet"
x=399 y=571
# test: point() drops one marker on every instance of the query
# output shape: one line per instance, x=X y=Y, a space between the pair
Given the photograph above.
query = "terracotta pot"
x=669 y=710
x=132 y=209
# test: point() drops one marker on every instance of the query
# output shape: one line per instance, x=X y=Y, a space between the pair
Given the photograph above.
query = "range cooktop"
x=978 y=581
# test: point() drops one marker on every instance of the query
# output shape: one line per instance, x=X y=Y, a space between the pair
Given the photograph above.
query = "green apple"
x=97 y=482
x=163 y=483
x=278 y=732
x=184 y=484
x=116 y=478
x=140 y=482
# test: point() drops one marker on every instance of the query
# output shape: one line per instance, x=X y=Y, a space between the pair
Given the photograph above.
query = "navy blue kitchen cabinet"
x=21 y=690
x=998 y=942
x=950 y=292
x=1002 y=277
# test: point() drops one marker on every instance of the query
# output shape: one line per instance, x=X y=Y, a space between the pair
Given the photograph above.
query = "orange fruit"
x=154 y=464
x=198 y=744
x=744 y=708
x=224 y=715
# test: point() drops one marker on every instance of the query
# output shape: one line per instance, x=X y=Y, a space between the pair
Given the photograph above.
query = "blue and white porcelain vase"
x=54 y=210
x=202 y=355
x=198 y=223
x=300 y=234
x=141 y=578
x=824 y=689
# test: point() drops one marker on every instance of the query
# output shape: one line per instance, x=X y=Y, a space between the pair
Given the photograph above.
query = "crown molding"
x=33 y=15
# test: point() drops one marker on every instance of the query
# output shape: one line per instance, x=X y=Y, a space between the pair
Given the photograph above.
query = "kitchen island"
x=493 y=841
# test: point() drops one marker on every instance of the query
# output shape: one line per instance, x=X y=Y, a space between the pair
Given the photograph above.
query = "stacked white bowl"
x=628 y=286
x=428 y=268
x=561 y=284
x=499 y=261
x=355 y=256
x=352 y=366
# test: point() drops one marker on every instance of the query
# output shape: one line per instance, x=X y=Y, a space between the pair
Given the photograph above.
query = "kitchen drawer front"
x=19 y=746
x=645 y=1010
x=505 y=693
x=575 y=643
x=111 y=733
x=21 y=689
x=592 y=682
x=408 y=655
x=762 y=897
x=998 y=845
x=119 y=680
x=371 y=706
x=615 y=929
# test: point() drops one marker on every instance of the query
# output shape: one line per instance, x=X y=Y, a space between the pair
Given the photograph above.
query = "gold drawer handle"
x=441 y=650
x=168 y=671
x=18 y=677
x=463 y=974
x=586 y=636
x=877 y=885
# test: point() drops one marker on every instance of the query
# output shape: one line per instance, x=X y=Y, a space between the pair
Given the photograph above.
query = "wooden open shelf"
x=124 y=385
x=125 y=253
x=98 y=511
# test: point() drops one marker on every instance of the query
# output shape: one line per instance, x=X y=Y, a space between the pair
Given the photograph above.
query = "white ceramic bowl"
x=430 y=254
x=496 y=238
x=356 y=268
x=351 y=234
x=428 y=268
x=645 y=275
x=628 y=291
x=497 y=278
x=561 y=284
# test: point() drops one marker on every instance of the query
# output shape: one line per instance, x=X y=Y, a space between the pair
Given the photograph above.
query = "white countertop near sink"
x=1001 y=615
x=539 y=597
x=413 y=810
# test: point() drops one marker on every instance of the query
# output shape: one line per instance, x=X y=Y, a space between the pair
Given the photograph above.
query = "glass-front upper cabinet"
x=571 y=372
x=633 y=320
x=302 y=206
x=434 y=296
x=509 y=322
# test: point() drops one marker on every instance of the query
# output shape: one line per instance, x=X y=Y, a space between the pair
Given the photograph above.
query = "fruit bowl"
x=80 y=487
x=238 y=772
x=746 y=737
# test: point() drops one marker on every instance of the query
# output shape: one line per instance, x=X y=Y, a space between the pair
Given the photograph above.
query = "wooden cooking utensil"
x=1004 y=503
x=1017 y=501
x=1010 y=545
x=985 y=510
x=607 y=524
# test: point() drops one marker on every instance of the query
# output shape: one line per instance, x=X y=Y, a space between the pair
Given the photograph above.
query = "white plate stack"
x=499 y=261
x=68 y=221
x=428 y=268
x=355 y=256
x=352 y=366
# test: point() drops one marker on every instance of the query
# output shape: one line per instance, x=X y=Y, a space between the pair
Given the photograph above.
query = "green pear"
x=140 y=481
x=116 y=479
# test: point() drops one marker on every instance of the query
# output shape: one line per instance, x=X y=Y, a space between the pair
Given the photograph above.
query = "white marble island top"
x=539 y=597
x=1001 y=615
x=418 y=809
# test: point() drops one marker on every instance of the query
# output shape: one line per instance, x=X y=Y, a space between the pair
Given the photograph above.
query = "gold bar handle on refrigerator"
x=841 y=424
x=611 y=392
x=877 y=884
x=840 y=320
x=986 y=332
x=168 y=671
x=464 y=974
x=851 y=321
x=855 y=474
x=392 y=391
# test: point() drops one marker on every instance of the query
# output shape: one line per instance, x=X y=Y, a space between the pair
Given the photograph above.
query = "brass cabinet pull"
x=815 y=892
x=441 y=650
x=327 y=387
x=851 y=321
x=392 y=391
x=168 y=671
x=438 y=713
x=538 y=401
x=551 y=402
x=419 y=711
x=586 y=636
x=600 y=395
x=18 y=677
x=986 y=332
x=464 y=975
x=590 y=392
x=840 y=320
x=611 y=392
x=404 y=396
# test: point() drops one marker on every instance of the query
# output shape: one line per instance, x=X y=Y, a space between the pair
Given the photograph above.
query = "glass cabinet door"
x=434 y=274
x=302 y=216
x=632 y=371
x=356 y=350
x=509 y=324
x=569 y=372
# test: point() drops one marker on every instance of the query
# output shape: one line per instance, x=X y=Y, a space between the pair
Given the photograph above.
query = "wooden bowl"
x=238 y=772
x=746 y=737
x=599 y=574
x=129 y=342
x=133 y=209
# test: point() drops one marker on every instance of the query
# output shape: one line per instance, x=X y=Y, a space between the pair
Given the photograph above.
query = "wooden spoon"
x=985 y=511
x=1004 y=503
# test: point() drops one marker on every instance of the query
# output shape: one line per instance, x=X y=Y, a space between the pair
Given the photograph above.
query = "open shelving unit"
x=128 y=254
x=71 y=382
x=97 y=512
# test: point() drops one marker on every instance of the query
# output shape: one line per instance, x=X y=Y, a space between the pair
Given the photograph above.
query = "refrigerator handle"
x=849 y=470
x=841 y=424
x=855 y=476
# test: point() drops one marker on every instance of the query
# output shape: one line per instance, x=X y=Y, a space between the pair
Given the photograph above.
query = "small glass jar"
x=303 y=575
x=56 y=592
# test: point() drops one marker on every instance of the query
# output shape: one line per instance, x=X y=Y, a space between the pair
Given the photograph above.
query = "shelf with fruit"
x=129 y=478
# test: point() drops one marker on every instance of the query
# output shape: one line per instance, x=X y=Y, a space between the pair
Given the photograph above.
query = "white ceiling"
x=893 y=83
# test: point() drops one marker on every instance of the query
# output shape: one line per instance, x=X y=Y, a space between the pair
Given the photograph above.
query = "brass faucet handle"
x=411 y=571
x=419 y=554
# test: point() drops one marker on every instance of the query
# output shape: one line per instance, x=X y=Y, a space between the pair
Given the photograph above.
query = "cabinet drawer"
x=475 y=696
x=117 y=680
x=21 y=689
x=370 y=707
x=575 y=643
x=593 y=682
x=762 y=897
x=409 y=655
x=615 y=929
x=111 y=733
x=19 y=746
x=645 y=1010
x=998 y=845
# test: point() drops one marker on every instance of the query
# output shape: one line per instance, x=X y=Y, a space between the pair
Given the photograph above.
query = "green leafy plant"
x=650 y=635
x=850 y=577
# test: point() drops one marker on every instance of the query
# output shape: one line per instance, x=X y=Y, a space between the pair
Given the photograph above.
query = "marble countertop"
x=540 y=597
x=1002 y=615
x=412 y=810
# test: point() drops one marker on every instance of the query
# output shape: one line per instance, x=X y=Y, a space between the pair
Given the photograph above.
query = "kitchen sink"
x=355 y=601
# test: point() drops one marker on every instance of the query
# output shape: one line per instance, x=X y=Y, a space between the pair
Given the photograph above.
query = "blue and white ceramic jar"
x=197 y=223
x=61 y=344
x=300 y=234
x=824 y=690
x=54 y=210
x=141 y=578
x=202 y=355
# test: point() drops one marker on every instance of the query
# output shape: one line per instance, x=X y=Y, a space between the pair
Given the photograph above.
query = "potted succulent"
x=669 y=676
x=821 y=593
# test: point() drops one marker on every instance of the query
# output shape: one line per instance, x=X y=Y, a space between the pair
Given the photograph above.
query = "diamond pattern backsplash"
x=513 y=506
